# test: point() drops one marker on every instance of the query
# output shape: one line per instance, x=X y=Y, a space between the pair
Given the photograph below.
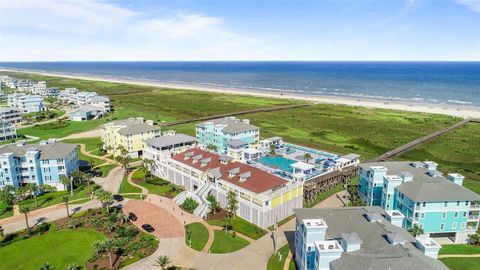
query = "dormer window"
x=205 y=161
x=244 y=176
x=233 y=172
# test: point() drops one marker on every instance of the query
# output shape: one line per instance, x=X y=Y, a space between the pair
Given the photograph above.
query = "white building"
x=26 y=103
x=101 y=102
x=10 y=115
x=83 y=97
x=7 y=131
x=68 y=95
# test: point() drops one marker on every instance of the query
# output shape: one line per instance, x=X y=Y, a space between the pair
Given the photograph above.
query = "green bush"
x=189 y=205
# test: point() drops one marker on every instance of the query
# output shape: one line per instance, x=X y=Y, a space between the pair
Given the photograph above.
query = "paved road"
x=51 y=213
x=112 y=181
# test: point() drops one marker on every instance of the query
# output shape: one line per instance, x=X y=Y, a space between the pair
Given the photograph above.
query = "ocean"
x=453 y=83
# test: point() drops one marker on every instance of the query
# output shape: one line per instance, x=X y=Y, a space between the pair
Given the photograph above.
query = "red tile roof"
x=258 y=182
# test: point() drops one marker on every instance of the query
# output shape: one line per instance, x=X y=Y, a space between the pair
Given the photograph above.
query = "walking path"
x=130 y=181
x=286 y=266
x=81 y=135
x=113 y=180
x=458 y=255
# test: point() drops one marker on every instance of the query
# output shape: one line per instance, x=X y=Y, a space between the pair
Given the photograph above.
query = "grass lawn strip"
x=226 y=243
x=459 y=249
x=241 y=226
x=91 y=144
x=277 y=260
x=59 y=248
x=198 y=235
x=49 y=199
x=126 y=187
x=462 y=263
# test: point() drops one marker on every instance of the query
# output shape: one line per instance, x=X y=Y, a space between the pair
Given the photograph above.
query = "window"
x=446 y=204
x=458 y=203
x=442 y=226
x=422 y=215
x=444 y=215
x=465 y=214
x=424 y=204
x=454 y=226
x=455 y=215
x=462 y=226
x=466 y=203
x=418 y=204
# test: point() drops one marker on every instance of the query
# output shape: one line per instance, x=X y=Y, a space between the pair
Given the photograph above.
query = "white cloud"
x=472 y=4
x=91 y=30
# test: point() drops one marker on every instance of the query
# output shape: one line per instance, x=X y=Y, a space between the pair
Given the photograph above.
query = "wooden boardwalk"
x=407 y=147
x=206 y=118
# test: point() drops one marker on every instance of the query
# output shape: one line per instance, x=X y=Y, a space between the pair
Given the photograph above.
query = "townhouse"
x=26 y=103
x=10 y=115
x=7 y=131
x=440 y=205
x=41 y=163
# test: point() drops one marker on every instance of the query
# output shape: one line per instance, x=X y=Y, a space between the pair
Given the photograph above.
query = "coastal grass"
x=457 y=151
x=197 y=236
x=468 y=263
x=277 y=260
x=46 y=131
x=91 y=144
x=459 y=249
x=226 y=243
x=58 y=248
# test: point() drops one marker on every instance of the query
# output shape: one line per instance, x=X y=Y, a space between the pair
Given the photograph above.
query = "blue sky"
x=62 y=30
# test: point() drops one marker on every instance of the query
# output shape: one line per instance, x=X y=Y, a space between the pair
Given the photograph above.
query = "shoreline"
x=447 y=109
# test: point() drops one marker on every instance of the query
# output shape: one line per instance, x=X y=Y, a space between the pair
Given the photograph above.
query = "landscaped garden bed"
x=156 y=185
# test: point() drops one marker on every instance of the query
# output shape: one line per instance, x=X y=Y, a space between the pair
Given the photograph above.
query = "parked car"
x=148 y=227
x=118 y=197
x=132 y=216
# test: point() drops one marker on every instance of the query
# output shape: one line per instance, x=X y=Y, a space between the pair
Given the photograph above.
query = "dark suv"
x=148 y=227
x=132 y=216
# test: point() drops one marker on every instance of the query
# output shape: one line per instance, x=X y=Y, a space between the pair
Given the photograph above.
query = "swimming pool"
x=277 y=162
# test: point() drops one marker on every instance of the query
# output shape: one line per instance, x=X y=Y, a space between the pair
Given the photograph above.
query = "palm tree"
x=25 y=210
x=162 y=261
x=227 y=223
x=109 y=246
x=272 y=149
x=74 y=266
x=307 y=157
x=48 y=188
x=416 y=230
x=7 y=195
x=123 y=218
x=125 y=161
x=232 y=205
x=2 y=230
x=34 y=189
x=100 y=146
x=65 y=181
x=65 y=200
x=46 y=266
x=105 y=198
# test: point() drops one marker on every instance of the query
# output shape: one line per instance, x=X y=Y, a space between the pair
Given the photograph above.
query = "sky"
x=169 y=30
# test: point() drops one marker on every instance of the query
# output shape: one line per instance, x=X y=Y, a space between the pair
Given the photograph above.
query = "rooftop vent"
x=188 y=155
x=416 y=164
x=396 y=238
x=196 y=158
x=456 y=178
x=244 y=176
x=374 y=216
x=205 y=161
x=350 y=241
x=430 y=165
x=224 y=159
x=434 y=173
x=233 y=172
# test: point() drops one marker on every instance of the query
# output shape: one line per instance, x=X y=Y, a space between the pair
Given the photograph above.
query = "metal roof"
x=165 y=141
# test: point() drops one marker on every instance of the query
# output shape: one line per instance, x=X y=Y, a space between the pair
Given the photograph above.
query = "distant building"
x=26 y=103
x=68 y=95
x=219 y=131
x=41 y=163
x=85 y=113
x=7 y=131
x=131 y=134
x=439 y=205
x=358 y=238
x=39 y=88
x=82 y=98
x=101 y=102
x=10 y=115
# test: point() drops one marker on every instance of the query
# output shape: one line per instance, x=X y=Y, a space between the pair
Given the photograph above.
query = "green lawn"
x=59 y=248
x=460 y=249
x=106 y=169
x=126 y=187
x=80 y=201
x=5 y=211
x=135 y=196
x=242 y=226
x=73 y=127
x=456 y=151
x=277 y=260
x=472 y=263
x=53 y=198
x=156 y=185
x=95 y=161
x=90 y=143
x=198 y=235
x=226 y=243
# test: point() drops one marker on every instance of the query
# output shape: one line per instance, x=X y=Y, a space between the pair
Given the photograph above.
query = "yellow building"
x=130 y=134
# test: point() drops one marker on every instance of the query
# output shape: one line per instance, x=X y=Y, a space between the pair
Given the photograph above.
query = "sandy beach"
x=447 y=109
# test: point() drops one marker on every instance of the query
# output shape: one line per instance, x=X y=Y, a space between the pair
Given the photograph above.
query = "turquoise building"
x=439 y=204
x=41 y=163
x=220 y=131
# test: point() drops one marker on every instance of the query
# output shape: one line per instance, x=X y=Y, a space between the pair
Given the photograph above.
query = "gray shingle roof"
x=236 y=143
x=137 y=128
x=351 y=156
x=425 y=188
x=376 y=253
x=47 y=151
x=351 y=238
x=165 y=141
x=232 y=125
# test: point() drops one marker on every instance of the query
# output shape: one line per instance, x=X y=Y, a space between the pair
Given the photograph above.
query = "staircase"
x=200 y=196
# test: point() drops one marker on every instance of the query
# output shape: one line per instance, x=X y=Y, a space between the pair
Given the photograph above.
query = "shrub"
x=127 y=231
x=189 y=205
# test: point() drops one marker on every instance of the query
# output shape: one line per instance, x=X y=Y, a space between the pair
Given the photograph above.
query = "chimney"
x=456 y=178
x=244 y=176
x=430 y=165
x=233 y=172
x=327 y=251
x=406 y=176
x=428 y=246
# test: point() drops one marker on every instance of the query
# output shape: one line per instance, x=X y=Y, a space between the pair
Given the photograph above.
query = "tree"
x=34 y=189
x=416 y=230
x=125 y=161
x=162 y=261
x=7 y=195
x=2 y=231
x=101 y=147
x=25 y=210
x=104 y=197
x=212 y=147
x=108 y=246
x=213 y=204
x=123 y=218
x=272 y=149
x=46 y=266
x=48 y=188
x=474 y=239
x=65 y=201
x=232 y=205
x=65 y=181
x=307 y=157
x=227 y=223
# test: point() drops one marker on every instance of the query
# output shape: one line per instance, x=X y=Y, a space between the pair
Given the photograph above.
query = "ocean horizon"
x=452 y=83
